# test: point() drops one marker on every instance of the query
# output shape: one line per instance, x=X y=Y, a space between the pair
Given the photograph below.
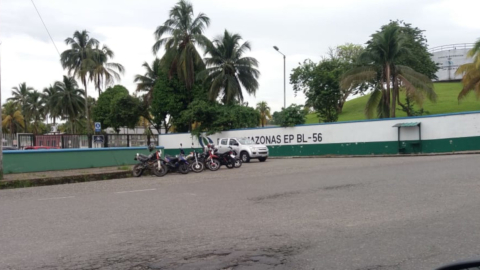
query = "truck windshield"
x=245 y=141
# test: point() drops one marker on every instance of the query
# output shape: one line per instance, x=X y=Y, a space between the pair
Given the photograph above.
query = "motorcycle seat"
x=171 y=159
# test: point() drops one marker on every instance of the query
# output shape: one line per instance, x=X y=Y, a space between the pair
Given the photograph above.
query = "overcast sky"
x=301 y=29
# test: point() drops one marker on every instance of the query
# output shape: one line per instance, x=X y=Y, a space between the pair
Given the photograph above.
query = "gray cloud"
x=302 y=29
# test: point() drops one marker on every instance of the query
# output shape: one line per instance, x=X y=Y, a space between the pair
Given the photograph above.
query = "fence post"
x=90 y=138
x=148 y=139
x=128 y=140
x=63 y=141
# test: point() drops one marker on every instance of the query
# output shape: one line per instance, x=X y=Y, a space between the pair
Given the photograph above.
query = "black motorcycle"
x=151 y=162
x=178 y=163
x=228 y=159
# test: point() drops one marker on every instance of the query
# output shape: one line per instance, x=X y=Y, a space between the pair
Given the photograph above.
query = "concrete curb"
x=47 y=181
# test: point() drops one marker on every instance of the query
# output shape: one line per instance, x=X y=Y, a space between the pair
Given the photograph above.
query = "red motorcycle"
x=212 y=161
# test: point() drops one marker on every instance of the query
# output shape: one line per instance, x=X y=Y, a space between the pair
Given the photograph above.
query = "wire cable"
x=48 y=32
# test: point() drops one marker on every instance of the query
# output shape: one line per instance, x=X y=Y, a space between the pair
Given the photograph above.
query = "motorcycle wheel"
x=214 y=165
x=230 y=164
x=197 y=167
x=137 y=170
x=238 y=163
x=183 y=168
x=160 y=171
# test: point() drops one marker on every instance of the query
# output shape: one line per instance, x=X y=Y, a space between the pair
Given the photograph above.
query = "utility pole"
x=1 y=134
x=284 y=77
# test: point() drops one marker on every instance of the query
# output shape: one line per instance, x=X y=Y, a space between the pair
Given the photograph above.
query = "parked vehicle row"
x=197 y=162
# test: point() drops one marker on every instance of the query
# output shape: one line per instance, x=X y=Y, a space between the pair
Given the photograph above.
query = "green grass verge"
x=446 y=103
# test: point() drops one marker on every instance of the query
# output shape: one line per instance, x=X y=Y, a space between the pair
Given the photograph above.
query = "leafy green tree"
x=12 y=118
x=264 y=110
x=170 y=98
x=102 y=110
x=471 y=73
x=211 y=117
x=78 y=60
x=124 y=112
x=292 y=115
x=228 y=69
x=348 y=52
x=146 y=82
x=20 y=98
x=186 y=31
x=277 y=118
x=71 y=102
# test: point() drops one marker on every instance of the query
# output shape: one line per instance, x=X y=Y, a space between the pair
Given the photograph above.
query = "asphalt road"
x=342 y=213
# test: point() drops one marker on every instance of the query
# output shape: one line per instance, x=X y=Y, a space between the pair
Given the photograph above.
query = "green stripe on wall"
x=370 y=148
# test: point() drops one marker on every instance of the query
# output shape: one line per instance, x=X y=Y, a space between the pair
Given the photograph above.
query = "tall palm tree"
x=185 y=32
x=471 y=73
x=379 y=66
x=146 y=82
x=103 y=72
x=71 y=100
x=35 y=108
x=20 y=97
x=50 y=98
x=12 y=117
x=228 y=69
x=78 y=60
x=264 y=110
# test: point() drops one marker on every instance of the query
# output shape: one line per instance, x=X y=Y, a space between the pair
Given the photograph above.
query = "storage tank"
x=449 y=58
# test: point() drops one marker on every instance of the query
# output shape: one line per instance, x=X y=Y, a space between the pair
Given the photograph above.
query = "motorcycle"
x=196 y=161
x=211 y=160
x=228 y=159
x=178 y=163
x=152 y=162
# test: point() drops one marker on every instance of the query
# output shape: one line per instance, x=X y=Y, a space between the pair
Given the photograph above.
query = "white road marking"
x=140 y=190
x=56 y=198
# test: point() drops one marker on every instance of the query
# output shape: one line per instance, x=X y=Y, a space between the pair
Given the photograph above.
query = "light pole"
x=284 y=78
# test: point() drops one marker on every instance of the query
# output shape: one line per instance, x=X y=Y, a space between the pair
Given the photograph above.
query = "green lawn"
x=446 y=103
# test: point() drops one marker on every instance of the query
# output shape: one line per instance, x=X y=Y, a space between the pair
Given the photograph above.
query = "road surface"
x=338 y=213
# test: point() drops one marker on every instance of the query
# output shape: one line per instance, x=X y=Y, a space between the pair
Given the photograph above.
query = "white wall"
x=433 y=127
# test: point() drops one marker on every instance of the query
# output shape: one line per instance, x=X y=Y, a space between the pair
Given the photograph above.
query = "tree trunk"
x=387 y=79
x=395 y=95
x=84 y=80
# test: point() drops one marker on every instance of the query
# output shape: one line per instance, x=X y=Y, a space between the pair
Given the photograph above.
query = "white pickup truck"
x=246 y=148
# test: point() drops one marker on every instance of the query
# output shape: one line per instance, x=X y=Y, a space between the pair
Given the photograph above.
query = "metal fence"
x=9 y=139
x=23 y=140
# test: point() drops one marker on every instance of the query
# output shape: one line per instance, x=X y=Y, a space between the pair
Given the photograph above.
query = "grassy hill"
x=446 y=103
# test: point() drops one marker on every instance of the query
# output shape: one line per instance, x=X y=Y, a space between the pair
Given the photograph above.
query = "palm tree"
x=70 y=99
x=185 y=32
x=20 y=98
x=379 y=66
x=78 y=60
x=12 y=117
x=35 y=108
x=264 y=110
x=228 y=70
x=146 y=82
x=103 y=72
x=471 y=73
